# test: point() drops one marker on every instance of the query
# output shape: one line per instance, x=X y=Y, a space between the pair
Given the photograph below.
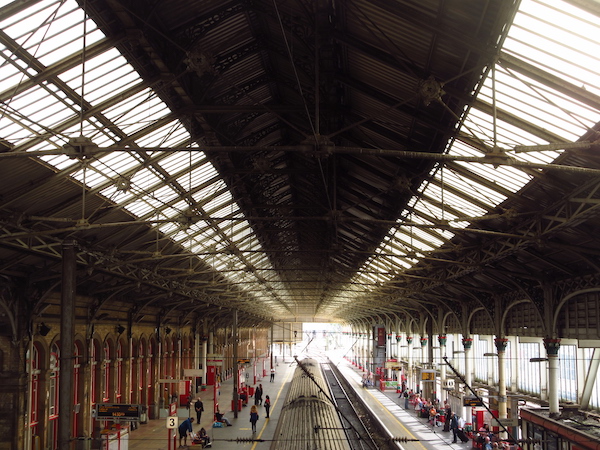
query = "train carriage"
x=308 y=419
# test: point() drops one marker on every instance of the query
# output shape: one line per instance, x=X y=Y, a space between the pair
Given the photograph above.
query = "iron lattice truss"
x=302 y=161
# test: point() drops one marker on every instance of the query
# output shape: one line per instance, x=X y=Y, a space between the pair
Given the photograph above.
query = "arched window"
x=568 y=386
x=141 y=374
x=106 y=366
x=95 y=359
x=530 y=380
x=150 y=372
x=76 y=389
x=53 y=393
x=175 y=355
x=119 y=375
x=34 y=391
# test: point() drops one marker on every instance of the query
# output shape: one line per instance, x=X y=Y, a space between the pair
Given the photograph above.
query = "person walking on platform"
x=267 y=406
x=454 y=427
x=258 y=395
x=407 y=395
x=253 y=417
x=272 y=379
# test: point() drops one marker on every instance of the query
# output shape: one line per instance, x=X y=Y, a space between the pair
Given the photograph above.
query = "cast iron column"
x=467 y=345
x=67 y=340
x=236 y=373
x=552 y=348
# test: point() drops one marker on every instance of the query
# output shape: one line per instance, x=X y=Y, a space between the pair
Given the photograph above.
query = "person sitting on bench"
x=202 y=438
x=244 y=395
x=219 y=417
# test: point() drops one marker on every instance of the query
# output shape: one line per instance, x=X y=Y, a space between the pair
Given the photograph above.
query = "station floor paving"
x=154 y=435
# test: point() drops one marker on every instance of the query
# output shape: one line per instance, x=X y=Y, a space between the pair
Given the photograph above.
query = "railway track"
x=363 y=430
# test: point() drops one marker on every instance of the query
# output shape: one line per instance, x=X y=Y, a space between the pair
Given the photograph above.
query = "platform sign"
x=214 y=362
x=511 y=422
x=428 y=375
x=113 y=411
x=471 y=400
x=172 y=422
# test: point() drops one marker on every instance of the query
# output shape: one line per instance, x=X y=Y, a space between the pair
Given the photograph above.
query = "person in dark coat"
x=199 y=407
x=448 y=419
x=258 y=395
x=454 y=427
x=267 y=405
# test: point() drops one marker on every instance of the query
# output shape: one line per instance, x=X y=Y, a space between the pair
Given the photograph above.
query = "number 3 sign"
x=172 y=422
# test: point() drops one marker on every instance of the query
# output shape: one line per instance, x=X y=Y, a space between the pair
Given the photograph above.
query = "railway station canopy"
x=296 y=160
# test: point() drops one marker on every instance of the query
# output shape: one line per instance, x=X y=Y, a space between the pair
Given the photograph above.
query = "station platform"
x=154 y=435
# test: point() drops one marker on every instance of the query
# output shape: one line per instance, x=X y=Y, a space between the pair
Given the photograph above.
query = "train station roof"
x=298 y=160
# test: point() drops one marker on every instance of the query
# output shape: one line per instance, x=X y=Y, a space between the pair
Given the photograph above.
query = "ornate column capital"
x=552 y=346
x=467 y=343
x=442 y=339
x=501 y=344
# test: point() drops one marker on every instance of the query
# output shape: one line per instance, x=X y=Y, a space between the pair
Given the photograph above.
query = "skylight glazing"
x=552 y=36
x=118 y=110
x=560 y=41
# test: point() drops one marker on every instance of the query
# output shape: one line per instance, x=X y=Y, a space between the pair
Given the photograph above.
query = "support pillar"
x=203 y=352
x=427 y=386
x=552 y=347
x=467 y=410
x=236 y=372
x=442 y=339
x=409 y=371
x=197 y=360
x=67 y=343
x=501 y=344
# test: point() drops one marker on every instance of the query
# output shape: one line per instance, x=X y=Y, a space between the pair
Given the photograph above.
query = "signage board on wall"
x=427 y=375
x=120 y=411
x=471 y=400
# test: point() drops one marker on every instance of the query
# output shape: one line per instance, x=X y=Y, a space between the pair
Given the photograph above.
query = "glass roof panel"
x=471 y=188
x=218 y=203
x=171 y=133
x=451 y=201
x=137 y=111
x=560 y=39
x=38 y=112
x=182 y=162
x=105 y=76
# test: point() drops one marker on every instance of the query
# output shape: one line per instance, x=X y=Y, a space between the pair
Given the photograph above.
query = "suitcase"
x=461 y=435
